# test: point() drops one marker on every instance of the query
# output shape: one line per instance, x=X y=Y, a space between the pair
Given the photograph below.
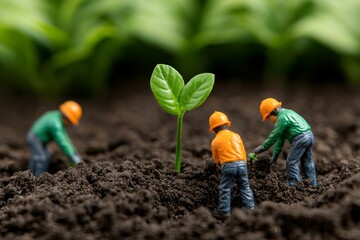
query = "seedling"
x=253 y=158
x=176 y=98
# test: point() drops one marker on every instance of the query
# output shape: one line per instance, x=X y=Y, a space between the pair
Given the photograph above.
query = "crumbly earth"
x=127 y=187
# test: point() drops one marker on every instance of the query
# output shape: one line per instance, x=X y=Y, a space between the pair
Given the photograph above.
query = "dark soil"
x=127 y=188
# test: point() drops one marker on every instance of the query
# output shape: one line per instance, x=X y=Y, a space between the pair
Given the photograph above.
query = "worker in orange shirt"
x=228 y=151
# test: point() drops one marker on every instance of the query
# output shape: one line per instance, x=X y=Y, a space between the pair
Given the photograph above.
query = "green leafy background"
x=196 y=91
x=52 y=48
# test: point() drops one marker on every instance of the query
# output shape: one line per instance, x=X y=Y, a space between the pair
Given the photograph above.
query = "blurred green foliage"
x=52 y=47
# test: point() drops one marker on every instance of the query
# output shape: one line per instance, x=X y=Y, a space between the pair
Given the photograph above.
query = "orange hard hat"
x=72 y=111
x=218 y=119
x=267 y=106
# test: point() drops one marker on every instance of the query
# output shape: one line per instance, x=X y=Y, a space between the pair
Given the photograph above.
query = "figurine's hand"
x=75 y=159
x=259 y=149
x=274 y=158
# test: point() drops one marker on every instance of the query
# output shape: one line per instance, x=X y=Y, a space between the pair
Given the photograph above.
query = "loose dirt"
x=127 y=187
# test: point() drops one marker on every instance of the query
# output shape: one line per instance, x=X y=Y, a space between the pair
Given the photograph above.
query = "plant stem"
x=178 y=141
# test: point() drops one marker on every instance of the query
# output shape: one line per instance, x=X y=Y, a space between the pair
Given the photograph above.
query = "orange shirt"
x=227 y=146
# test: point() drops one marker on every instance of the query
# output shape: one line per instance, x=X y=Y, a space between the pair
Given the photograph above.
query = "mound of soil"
x=127 y=187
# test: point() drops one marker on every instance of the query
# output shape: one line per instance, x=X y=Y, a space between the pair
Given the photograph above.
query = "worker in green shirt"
x=291 y=126
x=51 y=127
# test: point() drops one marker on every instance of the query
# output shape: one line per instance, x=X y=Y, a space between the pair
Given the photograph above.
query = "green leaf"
x=167 y=84
x=196 y=91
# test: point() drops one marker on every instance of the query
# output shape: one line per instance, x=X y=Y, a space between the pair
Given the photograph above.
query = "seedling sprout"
x=176 y=98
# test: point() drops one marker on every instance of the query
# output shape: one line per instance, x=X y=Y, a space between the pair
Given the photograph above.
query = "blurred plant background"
x=52 y=47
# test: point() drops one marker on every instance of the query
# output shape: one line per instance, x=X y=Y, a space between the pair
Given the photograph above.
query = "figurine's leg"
x=40 y=157
x=228 y=173
x=298 y=147
x=307 y=163
x=247 y=197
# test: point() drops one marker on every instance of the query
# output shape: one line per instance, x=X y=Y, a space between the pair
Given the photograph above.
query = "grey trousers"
x=301 y=150
x=230 y=172
x=40 y=157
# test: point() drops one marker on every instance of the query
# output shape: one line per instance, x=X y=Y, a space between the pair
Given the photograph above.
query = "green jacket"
x=51 y=127
x=288 y=125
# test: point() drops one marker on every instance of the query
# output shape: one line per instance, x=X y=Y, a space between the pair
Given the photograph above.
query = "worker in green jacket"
x=51 y=127
x=291 y=126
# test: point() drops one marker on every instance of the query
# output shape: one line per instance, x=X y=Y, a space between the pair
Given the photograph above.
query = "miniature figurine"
x=291 y=126
x=51 y=126
x=228 y=151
